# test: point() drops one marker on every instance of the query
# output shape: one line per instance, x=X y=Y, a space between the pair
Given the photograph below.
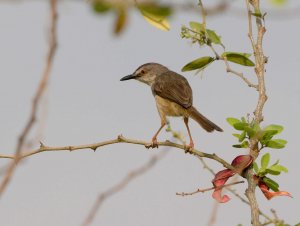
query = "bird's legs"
x=191 y=145
x=154 y=144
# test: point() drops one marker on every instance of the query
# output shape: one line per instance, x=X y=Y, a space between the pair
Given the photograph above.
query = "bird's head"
x=147 y=73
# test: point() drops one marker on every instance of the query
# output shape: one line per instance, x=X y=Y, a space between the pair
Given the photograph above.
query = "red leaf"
x=219 y=180
x=268 y=194
x=239 y=163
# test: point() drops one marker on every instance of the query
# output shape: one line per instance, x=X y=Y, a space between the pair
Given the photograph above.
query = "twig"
x=203 y=14
x=208 y=189
x=120 y=139
x=239 y=74
x=121 y=185
x=36 y=99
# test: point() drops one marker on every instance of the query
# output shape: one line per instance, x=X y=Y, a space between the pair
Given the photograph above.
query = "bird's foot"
x=189 y=148
x=153 y=144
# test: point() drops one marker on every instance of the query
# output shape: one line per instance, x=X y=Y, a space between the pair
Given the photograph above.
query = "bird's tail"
x=202 y=120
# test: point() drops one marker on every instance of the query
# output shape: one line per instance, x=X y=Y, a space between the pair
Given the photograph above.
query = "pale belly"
x=169 y=108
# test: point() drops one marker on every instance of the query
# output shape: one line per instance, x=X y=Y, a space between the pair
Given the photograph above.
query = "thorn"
x=94 y=148
x=120 y=138
x=42 y=145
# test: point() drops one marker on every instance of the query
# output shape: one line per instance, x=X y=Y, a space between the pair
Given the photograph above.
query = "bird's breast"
x=168 y=108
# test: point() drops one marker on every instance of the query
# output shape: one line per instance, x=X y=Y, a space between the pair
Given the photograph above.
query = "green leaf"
x=278 y=2
x=277 y=128
x=250 y=132
x=273 y=185
x=214 y=37
x=232 y=121
x=155 y=15
x=255 y=167
x=265 y=159
x=276 y=163
x=240 y=125
x=197 y=27
x=236 y=135
x=244 y=54
x=272 y=172
x=199 y=63
x=278 y=168
x=245 y=144
x=276 y=143
x=242 y=136
x=266 y=135
x=120 y=21
x=238 y=59
x=101 y=7
x=256 y=127
x=259 y=15
x=155 y=9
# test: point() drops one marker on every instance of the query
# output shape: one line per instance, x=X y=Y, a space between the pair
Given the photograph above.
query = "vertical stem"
x=262 y=98
x=203 y=14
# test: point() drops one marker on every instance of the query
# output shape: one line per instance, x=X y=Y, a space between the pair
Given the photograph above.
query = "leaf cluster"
x=265 y=169
x=200 y=34
x=252 y=130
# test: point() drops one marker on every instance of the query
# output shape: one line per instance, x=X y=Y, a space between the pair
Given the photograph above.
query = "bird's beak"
x=128 y=77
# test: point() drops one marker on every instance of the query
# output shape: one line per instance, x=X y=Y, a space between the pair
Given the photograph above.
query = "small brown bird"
x=173 y=96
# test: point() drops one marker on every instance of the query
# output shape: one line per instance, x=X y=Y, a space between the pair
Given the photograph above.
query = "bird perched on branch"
x=173 y=96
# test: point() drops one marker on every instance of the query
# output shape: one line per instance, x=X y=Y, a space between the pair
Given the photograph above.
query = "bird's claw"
x=153 y=144
x=189 y=148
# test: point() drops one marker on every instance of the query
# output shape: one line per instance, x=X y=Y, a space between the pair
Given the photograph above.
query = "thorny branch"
x=43 y=82
x=119 y=139
x=121 y=185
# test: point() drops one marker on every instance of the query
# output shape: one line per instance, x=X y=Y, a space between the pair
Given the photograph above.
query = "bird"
x=173 y=96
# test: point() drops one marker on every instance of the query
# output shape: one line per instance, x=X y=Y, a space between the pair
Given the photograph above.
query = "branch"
x=121 y=185
x=43 y=82
x=120 y=139
x=208 y=189
x=239 y=74
x=260 y=61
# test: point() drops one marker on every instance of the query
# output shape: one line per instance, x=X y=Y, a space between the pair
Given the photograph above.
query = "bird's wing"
x=173 y=87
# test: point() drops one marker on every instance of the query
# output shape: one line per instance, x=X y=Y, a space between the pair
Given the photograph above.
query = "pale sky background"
x=87 y=103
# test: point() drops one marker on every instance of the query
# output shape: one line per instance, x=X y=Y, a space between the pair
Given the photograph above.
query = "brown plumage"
x=173 y=96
